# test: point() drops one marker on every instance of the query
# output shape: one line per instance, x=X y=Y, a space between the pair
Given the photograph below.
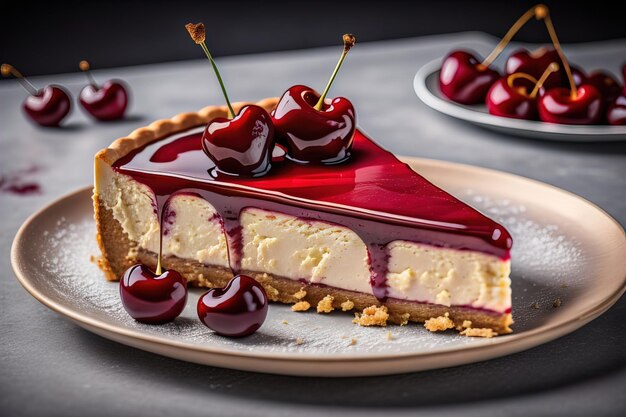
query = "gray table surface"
x=49 y=366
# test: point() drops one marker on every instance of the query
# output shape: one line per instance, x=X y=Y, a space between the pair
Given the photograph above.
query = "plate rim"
x=490 y=348
x=552 y=131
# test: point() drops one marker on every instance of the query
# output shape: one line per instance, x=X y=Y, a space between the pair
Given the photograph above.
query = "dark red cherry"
x=534 y=64
x=579 y=76
x=606 y=84
x=49 y=106
x=311 y=135
x=616 y=114
x=464 y=79
x=151 y=298
x=236 y=310
x=105 y=102
x=558 y=105
x=511 y=97
x=242 y=145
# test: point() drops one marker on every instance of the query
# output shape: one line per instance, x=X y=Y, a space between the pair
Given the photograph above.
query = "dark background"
x=54 y=36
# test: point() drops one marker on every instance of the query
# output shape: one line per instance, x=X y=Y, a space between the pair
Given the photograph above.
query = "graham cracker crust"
x=119 y=253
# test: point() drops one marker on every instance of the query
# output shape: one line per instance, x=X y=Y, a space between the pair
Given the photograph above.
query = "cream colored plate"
x=564 y=247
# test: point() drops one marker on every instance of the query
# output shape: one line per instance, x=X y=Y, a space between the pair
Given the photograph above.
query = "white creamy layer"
x=315 y=251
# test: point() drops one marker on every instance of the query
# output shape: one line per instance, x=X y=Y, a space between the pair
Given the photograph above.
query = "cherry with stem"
x=348 y=42
x=104 y=102
x=47 y=106
x=198 y=34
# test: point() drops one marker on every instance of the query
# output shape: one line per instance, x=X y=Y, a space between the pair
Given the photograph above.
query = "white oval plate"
x=564 y=247
x=426 y=85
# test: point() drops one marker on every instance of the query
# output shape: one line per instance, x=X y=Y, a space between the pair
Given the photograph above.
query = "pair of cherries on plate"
x=310 y=128
x=49 y=105
x=534 y=88
x=239 y=309
x=243 y=145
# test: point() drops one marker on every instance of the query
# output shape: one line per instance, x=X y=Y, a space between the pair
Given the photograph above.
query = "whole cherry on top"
x=47 y=106
x=312 y=128
x=510 y=98
x=465 y=79
x=240 y=144
x=104 y=102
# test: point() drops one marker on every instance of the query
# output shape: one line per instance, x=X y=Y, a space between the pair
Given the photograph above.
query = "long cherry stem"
x=559 y=50
x=8 y=70
x=553 y=67
x=84 y=67
x=348 y=42
x=538 y=11
x=231 y=112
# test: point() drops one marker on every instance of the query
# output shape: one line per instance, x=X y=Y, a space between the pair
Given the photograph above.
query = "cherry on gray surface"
x=52 y=367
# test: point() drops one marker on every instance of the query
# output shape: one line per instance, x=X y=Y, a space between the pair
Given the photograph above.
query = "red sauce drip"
x=373 y=194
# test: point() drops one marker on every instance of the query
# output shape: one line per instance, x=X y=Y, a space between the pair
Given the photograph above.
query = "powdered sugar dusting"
x=543 y=260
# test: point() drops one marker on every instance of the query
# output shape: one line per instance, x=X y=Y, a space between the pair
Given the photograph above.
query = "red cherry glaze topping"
x=464 y=79
x=616 y=114
x=153 y=298
x=236 y=310
x=534 y=64
x=311 y=135
x=559 y=105
x=243 y=145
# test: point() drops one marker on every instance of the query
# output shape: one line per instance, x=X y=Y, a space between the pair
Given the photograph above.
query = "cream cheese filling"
x=309 y=250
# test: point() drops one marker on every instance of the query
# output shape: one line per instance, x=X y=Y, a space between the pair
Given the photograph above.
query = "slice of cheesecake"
x=368 y=232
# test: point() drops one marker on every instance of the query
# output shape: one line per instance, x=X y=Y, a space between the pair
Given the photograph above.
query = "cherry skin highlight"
x=616 y=114
x=107 y=102
x=237 y=310
x=49 y=106
x=559 y=106
x=241 y=146
x=151 y=298
x=464 y=79
x=314 y=136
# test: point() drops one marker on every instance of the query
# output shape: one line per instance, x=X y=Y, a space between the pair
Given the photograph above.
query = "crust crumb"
x=326 y=304
x=284 y=322
x=372 y=316
x=389 y=336
x=347 y=305
x=299 y=341
x=482 y=332
x=556 y=303
x=405 y=319
x=301 y=306
x=353 y=342
x=466 y=325
x=300 y=294
x=439 y=324
x=272 y=292
x=535 y=305
x=93 y=259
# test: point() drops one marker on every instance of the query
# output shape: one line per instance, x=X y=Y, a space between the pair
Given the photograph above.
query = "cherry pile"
x=538 y=85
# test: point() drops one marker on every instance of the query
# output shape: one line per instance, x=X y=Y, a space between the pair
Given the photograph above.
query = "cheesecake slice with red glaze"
x=368 y=231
